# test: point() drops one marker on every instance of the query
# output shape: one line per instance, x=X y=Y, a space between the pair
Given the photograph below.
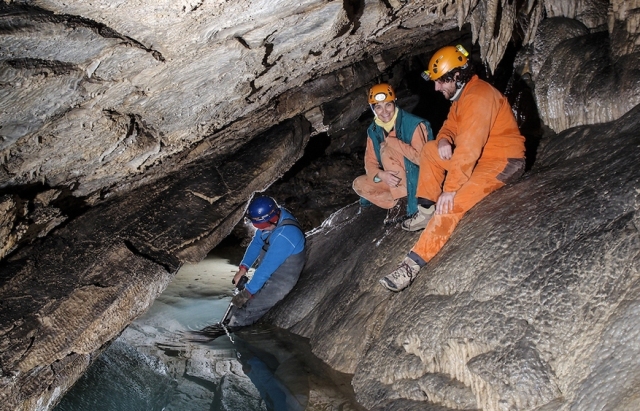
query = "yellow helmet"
x=445 y=60
x=381 y=92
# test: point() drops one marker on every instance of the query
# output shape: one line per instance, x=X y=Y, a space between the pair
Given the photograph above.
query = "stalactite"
x=464 y=8
x=561 y=8
x=493 y=21
x=535 y=12
x=624 y=27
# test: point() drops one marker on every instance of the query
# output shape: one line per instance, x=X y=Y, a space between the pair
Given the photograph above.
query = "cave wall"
x=531 y=305
x=100 y=98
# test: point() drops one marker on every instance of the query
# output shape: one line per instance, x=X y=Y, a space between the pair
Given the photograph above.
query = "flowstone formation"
x=580 y=75
x=532 y=305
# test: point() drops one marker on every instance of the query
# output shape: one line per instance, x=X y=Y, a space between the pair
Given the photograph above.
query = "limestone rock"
x=133 y=133
x=528 y=306
x=59 y=306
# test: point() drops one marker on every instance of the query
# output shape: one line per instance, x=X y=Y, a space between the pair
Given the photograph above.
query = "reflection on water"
x=151 y=367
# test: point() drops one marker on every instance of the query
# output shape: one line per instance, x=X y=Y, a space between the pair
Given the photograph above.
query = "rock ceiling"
x=101 y=97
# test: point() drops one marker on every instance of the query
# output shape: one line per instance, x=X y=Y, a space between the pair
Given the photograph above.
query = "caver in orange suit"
x=488 y=153
x=392 y=155
x=394 y=141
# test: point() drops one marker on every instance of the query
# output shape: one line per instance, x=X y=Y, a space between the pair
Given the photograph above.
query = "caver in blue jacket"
x=279 y=258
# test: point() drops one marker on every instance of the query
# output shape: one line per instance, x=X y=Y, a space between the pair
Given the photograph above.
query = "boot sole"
x=414 y=228
x=386 y=285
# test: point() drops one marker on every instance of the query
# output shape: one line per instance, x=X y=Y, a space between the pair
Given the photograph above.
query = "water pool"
x=151 y=366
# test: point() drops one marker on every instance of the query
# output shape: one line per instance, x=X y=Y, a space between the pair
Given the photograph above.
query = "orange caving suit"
x=488 y=152
x=392 y=154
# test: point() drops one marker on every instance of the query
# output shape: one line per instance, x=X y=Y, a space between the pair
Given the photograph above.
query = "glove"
x=242 y=283
x=240 y=299
x=242 y=271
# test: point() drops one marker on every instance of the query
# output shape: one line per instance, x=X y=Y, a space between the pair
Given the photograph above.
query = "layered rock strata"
x=63 y=298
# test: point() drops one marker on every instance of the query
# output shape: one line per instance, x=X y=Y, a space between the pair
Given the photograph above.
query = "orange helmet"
x=381 y=92
x=445 y=60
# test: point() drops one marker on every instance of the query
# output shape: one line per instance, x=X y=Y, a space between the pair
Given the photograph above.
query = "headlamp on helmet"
x=380 y=93
x=445 y=60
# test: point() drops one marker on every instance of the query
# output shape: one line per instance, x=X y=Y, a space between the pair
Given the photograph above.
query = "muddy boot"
x=420 y=219
x=402 y=276
x=397 y=213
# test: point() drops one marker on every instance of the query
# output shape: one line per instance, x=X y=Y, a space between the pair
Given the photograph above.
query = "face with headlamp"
x=385 y=111
x=449 y=69
x=382 y=99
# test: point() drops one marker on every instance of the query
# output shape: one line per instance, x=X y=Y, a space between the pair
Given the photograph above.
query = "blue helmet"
x=262 y=209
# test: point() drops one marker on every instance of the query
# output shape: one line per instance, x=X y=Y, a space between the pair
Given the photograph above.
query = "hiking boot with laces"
x=420 y=219
x=402 y=276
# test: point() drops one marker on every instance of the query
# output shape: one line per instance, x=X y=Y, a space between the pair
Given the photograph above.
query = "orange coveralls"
x=488 y=152
x=392 y=154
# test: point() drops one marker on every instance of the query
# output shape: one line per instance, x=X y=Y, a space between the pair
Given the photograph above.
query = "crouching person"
x=277 y=251
x=394 y=141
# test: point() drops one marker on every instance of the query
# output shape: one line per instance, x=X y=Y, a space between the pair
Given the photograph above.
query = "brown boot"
x=402 y=276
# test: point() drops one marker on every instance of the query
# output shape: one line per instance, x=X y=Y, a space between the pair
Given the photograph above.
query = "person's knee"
x=358 y=184
x=429 y=150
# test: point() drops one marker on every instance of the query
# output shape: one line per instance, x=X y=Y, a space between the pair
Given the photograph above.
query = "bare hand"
x=445 y=203
x=390 y=177
x=444 y=149
x=241 y=271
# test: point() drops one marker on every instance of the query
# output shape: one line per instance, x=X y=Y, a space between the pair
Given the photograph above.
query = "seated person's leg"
x=377 y=193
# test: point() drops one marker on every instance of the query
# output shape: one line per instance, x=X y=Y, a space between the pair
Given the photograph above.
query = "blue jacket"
x=284 y=241
x=405 y=126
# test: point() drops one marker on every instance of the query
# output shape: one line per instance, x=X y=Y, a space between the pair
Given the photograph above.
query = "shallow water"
x=151 y=366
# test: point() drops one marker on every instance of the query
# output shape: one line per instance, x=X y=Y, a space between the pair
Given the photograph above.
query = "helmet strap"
x=458 y=91
x=388 y=126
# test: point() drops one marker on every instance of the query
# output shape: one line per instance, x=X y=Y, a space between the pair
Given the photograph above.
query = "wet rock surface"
x=519 y=309
x=151 y=365
x=65 y=297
